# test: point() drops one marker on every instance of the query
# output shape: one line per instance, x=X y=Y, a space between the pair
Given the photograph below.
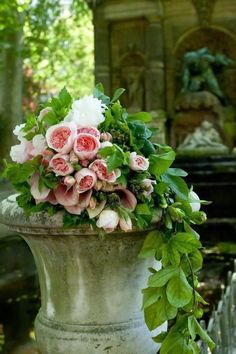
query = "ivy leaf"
x=184 y=242
x=159 y=312
x=117 y=94
x=152 y=242
x=179 y=292
x=175 y=343
x=161 y=162
x=150 y=296
x=196 y=329
x=162 y=277
x=144 y=117
x=177 y=184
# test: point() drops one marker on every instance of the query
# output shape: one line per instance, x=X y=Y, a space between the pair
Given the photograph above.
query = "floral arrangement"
x=97 y=163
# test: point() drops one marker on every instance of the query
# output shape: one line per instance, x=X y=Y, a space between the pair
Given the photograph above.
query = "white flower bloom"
x=87 y=111
x=39 y=143
x=19 y=153
x=196 y=206
x=105 y=144
x=108 y=220
x=18 y=132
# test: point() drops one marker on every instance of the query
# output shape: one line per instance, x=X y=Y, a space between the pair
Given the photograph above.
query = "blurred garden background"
x=177 y=60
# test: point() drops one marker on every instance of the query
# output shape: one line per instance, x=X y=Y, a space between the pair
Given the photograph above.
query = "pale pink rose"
x=60 y=165
x=100 y=168
x=61 y=137
x=83 y=202
x=69 y=181
x=89 y=130
x=85 y=179
x=138 y=162
x=147 y=184
x=38 y=193
x=127 y=198
x=66 y=197
x=93 y=212
x=86 y=146
x=125 y=224
x=108 y=220
x=22 y=152
x=44 y=112
x=39 y=145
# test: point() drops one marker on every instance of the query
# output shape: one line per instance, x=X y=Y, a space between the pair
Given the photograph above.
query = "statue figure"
x=205 y=139
x=200 y=69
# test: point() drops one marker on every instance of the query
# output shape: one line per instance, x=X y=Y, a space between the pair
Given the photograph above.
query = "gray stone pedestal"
x=90 y=286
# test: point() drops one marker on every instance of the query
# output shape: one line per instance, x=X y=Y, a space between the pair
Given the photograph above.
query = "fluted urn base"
x=90 y=286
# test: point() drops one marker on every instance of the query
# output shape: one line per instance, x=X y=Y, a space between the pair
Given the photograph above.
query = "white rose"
x=87 y=111
x=126 y=224
x=21 y=153
x=105 y=144
x=18 y=132
x=39 y=144
x=108 y=220
x=196 y=206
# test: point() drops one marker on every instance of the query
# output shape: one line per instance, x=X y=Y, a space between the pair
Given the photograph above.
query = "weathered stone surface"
x=90 y=286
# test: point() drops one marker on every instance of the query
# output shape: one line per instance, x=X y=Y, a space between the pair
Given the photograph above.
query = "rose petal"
x=38 y=193
x=66 y=197
x=127 y=198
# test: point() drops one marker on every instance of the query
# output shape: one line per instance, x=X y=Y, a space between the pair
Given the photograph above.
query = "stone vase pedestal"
x=90 y=286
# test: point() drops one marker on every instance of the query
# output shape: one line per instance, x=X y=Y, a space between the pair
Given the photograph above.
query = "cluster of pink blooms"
x=68 y=146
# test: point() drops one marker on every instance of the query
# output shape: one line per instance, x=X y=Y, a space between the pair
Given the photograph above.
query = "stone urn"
x=90 y=286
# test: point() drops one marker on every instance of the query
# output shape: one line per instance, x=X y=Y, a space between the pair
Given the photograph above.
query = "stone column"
x=102 y=53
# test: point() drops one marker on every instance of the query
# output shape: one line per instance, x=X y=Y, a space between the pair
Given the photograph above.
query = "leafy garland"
x=172 y=291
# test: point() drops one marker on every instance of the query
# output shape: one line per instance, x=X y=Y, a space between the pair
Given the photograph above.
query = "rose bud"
x=98 y=185
x=138 y=162
x=106 y=137
x=73 y=157
x=85 y=179
x=60 y=165
x=61 y=137
x=84 y=163
x=69 y=181
x=125 y=224
x=89 y=130
x=100 y=168
x=92 y=203
x=195 y=205
x=147 y=184
x=86 y=146
x=105 y=144
x=108 y=220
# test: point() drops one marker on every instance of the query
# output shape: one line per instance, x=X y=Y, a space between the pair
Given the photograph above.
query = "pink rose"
x=86 y=146
x=89 y=130
x=65 y=196
x=38 y=193
x=61 y=137
x=100 y=168
x=138 y=162
x=85 y=179
x=147 y=185
x=60 y=164
x=69 y=181
x=83 y=202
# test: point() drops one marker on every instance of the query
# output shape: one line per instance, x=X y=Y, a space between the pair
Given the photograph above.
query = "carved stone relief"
x=204 y=10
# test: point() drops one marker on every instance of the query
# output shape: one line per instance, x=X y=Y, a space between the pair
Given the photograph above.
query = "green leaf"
x=160 y=337
x=117 y=94
x=177 y=184
x=98 y=92
x=176 y=172
x=65 y=98
x=139 y=133
x=150 y=296
x=153 y=241
x=175 y=343
x=195 y=328
x=162 y=276
x=159 y=312
x=170 y=254
x=179 y=292
x=185 y=242
x=19 y=173
x=144 y=117
x=160 y=163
